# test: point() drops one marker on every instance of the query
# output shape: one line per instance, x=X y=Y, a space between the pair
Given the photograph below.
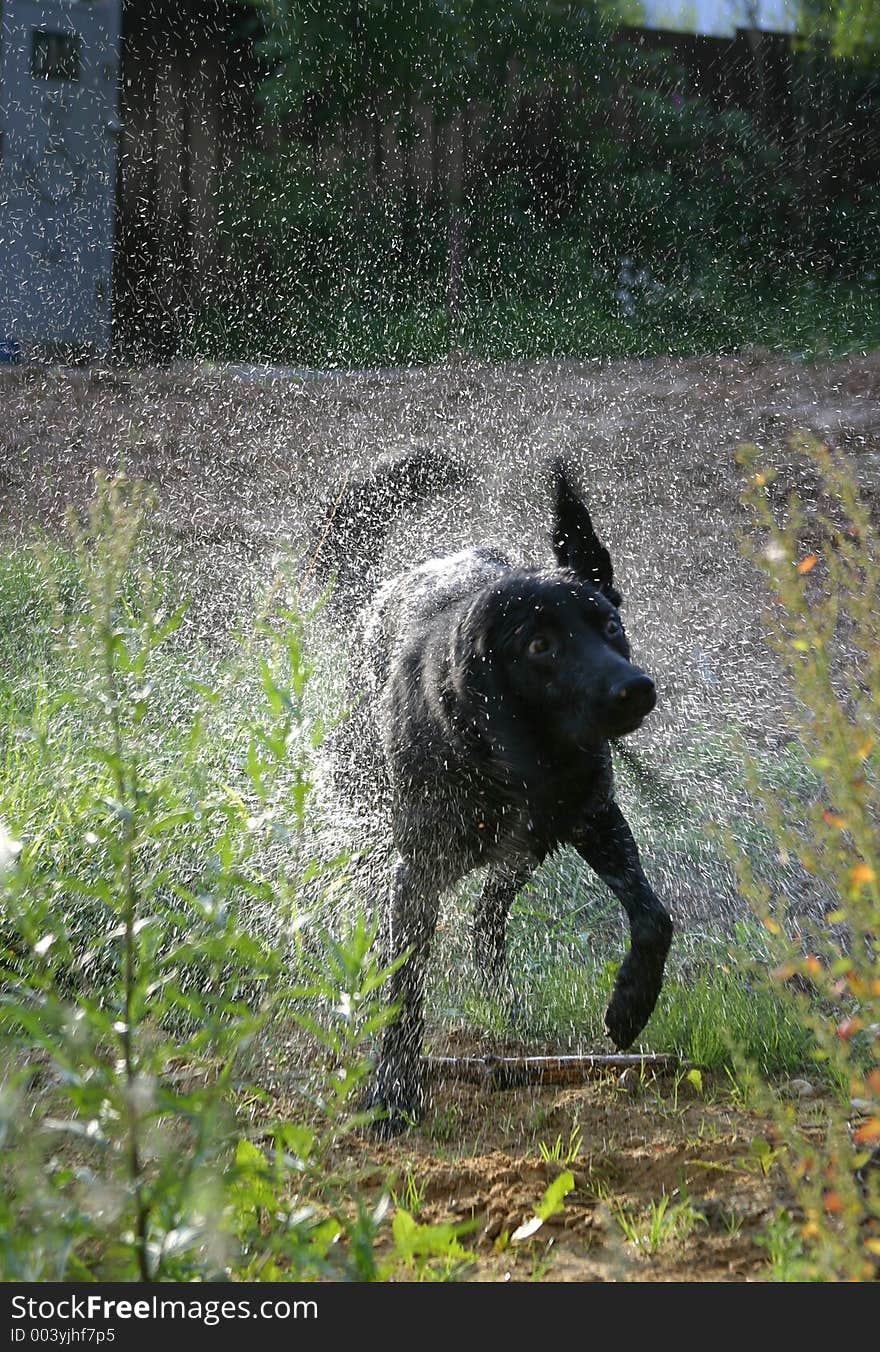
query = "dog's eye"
x=613 y=628
x=539 y=645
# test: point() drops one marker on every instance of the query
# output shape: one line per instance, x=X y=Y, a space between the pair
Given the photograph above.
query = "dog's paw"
x=390 y=1115
x=635 y=995
x=389 y=1123
x=624 y=1020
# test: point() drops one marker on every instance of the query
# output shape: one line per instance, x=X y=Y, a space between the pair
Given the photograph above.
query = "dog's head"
x=548 y=652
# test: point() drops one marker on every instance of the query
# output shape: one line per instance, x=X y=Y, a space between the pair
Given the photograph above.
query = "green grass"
x=709 y=1013
x=571 y=317
x=664 y=1224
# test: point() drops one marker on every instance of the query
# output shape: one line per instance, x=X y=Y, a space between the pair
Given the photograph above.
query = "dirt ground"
x=240 y=462
x=476 y=1161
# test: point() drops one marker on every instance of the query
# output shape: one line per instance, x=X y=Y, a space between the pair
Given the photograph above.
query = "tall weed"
x=819 y=555
x=154 y=943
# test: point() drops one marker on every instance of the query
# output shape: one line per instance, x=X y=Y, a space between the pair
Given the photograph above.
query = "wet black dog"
x=489 y=695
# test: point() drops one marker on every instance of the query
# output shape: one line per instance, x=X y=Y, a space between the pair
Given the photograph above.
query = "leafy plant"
x=153 y=946
x=820 y=559
x=784 y=1244
x=430 y=1252
x=552 y=1202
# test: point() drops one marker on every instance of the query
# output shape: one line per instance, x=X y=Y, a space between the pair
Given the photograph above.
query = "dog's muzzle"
x=637 y=695
x=632 y=700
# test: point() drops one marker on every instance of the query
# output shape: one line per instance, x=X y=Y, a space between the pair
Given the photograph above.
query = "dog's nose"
x=638 y=693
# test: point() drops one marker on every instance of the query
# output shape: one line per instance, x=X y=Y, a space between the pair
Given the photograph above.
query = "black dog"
x=489 y=694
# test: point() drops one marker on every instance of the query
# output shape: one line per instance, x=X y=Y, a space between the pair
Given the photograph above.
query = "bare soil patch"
x=476 y=1161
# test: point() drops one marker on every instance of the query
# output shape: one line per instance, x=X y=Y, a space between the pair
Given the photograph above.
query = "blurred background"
x=358 y=183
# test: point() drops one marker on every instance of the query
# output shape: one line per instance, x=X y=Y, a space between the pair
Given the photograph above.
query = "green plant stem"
x=130 y=895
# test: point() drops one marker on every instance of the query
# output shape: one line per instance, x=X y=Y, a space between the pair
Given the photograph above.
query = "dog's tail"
x=355 y=519
x=575 y=542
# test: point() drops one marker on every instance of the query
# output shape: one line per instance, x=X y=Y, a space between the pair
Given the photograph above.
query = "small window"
x=55 y=56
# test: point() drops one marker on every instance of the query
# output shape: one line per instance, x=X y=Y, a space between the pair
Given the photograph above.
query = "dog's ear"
x=575 y=543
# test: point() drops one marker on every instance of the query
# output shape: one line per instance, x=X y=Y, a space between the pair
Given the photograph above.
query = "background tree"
x=850 y=28
x=347 y=64
x=518 y=177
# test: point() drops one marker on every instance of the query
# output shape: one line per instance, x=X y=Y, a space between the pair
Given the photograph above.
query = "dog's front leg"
x=608 y=847
x=410 y=924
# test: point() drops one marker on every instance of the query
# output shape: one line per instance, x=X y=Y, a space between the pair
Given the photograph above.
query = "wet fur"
x=491 y=756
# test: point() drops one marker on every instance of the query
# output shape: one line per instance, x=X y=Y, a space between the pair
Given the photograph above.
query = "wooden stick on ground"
x=507 y=1072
